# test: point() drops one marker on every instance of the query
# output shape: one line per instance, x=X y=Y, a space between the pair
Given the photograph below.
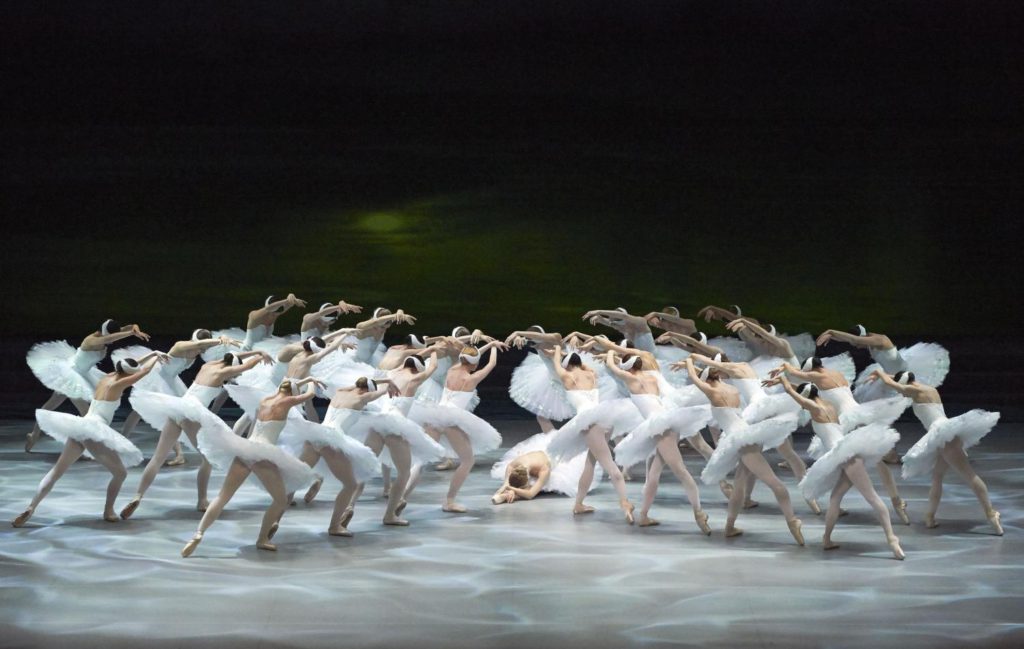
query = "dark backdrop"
x=500 y=164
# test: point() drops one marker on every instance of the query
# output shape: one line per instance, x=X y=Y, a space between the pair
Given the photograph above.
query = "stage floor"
x=523 y=575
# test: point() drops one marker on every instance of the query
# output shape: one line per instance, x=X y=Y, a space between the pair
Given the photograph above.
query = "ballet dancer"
x=404 y=440
x=535 y=386
x=834 y=387
x=167 y=377
x=342 y=370
x=740 y=447
x=279 y=472
x=589 y=430
x=945 y=443
x=516 y=475
x=658 y=436
x=801 y=344
x=842 y=466
x=318 y=323
x=173 y=415
x=92 y=433
x=451 y=419
x=72 y=373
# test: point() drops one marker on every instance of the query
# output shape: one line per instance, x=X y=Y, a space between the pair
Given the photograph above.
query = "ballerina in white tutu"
x=91 y=433
x=524 y=475
x=740 y=448
x=802 y=345
x=843 y=464
x=451 y=419
x=834 y=387
x=945 y=443
x=658 y=436
x=535 y=386
x=342 y=370
x=589 y=430
x=319 y=322
x=166 y=379
x=173 y=415
x=72 y=373
x=279 y=472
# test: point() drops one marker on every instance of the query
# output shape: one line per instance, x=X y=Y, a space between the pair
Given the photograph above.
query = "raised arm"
x=145 y=367
x=805 y=403
x=126 y=331
x=272 y=307
x=792 y=371
x=905 y=390
x=868 y=341
x=306 y=395
x=659 y=318
x=613 y=366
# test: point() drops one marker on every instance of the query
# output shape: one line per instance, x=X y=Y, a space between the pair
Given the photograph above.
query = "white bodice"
x=278 y=372
x=457 y=398
x=444 y=363
x=339 y=418
x=645 y=342
x=267 y=431
x=365 y=347
x=830 y=434
x=841 y=398
x=582 y=400
x=750 y=389
x=255 y=335
x=647 y=404
x=929 y=413
x=84 y=360
x=174 y=366
x=205 y=394
x=889 y=359
x=103 y=409
x=727 y=418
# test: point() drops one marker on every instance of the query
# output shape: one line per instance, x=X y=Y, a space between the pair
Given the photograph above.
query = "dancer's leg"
x=654 y=467
x=401 y=455
x=341 y=467
x=310 y=456
x=56 y=398
x=739 y=489
x=935 y=492
x=668 y=451
x=310 y=410
x=68 y=456
x=858 y=475
x=545 y=424
x=111 y=461
x=597 y=442
x=752 y=459
x=463 y=448
x=586 y=479
x=271 y=478
x=701 y=446
x=236 y=475
x=130 y=422
x=191 y=430
x=417 y=471
x=954 y=454
x=835 y=501
x=168 y=436
x=885 y=473
x=798 y=466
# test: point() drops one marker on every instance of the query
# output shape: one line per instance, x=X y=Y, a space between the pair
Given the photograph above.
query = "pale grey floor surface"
x=524 y=575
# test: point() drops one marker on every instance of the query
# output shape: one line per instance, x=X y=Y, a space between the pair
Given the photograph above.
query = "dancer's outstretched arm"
x=870 y=341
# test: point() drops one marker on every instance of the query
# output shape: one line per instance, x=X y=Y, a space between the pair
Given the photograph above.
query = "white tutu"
x=766 y=434
x=536 y=388
x=880 y=411
x=482 y=436
x=220 y=446
x=734 y=348
x=763 y=365
x=298 y=431
x=53 y=363
x=217 y=352
x=688 y=395
x=970 y=427
x=565 y=475
x=431 y=391
x=156 y=409
x=617 y=415
x=841 y=363
x=869 y=443
x=928 y=361
x=90 y=428
x=803 y=345
x=158 y=380
x=770 y=405
x=340 y=370
x=641 y=442
x=668 y=354
x=390 y=422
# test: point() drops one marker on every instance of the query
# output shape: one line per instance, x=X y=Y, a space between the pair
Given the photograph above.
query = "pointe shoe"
x=783 y=464
x=202 y=506
x=30 y=441
x=900 y=506
x=272 y=531
x=266 y=545
x=815 y=507
x=346 y=516
x=629 y=514
x=794 y=529
x=191 y=546
x=314 y=489
x=726 y=488
x=930 y=522
x=750 y=504
x=111 y=517
x=733 y=531
x=22 y=518
x=401 y=508
x=646 y=521
x=451 y=508
x=386 y=492
x=340 y=530
x=892 y=457
x=446 y=464
x=993 y=518
x=130 y=508
x=578 y=510
x=829 y=544
x=177 y=461
x=702 y=522
x=398 y=522
x=897 y=551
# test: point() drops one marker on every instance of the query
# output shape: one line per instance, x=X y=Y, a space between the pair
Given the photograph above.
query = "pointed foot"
x=130 y=508
x=795 y=529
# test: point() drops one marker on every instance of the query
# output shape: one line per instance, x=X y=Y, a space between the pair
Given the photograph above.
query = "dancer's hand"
x=777 y=371
x=824 y=338
x=664 y=339
x=519 y=342
x=294 y=301
x=709 y=313
x=874 y=376
x=678 y=366
x=349 y=308
x=138 y=333
x=266 y=358
x=775 y=380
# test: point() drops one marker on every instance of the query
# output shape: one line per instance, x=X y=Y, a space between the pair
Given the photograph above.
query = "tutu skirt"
x=928 y=361
x=616 y=415
x=482 y=436
x=221 y=447
x=51 y=363
x=642 y=441
x=62 y=427
x=766 y=434
x=565 y=475
x=298 y=431
x=970 y=427
x=869 y=443
x=422 y=446
x=535 y=388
